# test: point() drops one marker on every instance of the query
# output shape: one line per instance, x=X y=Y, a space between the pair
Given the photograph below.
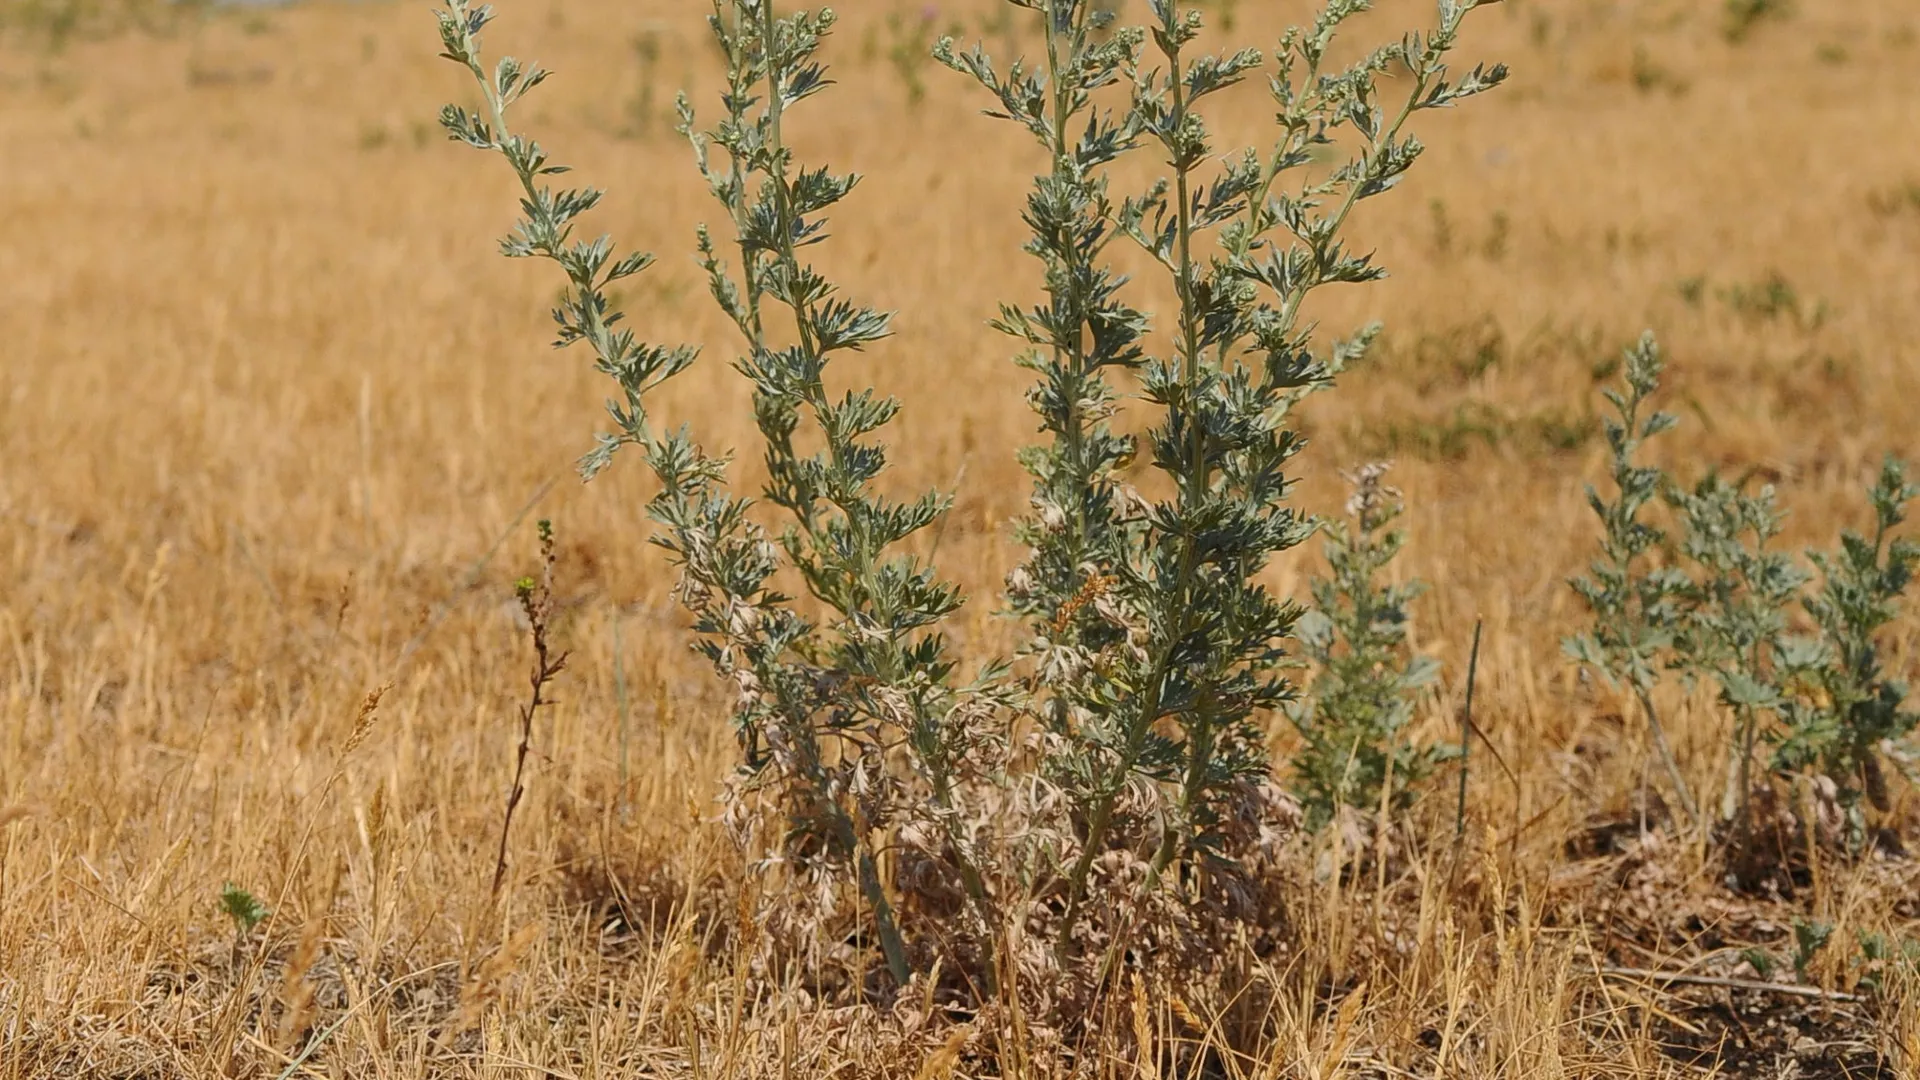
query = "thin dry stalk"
x=1466 y=750
x=1756 y=985
x=536 y=602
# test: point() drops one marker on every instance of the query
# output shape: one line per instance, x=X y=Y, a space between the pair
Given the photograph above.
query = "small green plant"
x=1455 y=434
x=1456 y=355
x=1651 y=76
x=1742 y=17
x=245 y=909
x=1771 y=299
x=1898 y=199
x=1635 y=604
x=1724 y=611
x=1692 y=290
x=1885 y=961
x=1877 y=965
x=1810 y=936
x=1733 y=628
x=1850 y=705
x=909 y=48
x=1499 y=236
x=1353 y=720
x=1442 y=227
x=643 y=111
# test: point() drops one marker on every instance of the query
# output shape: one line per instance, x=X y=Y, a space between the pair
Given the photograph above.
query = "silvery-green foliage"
x=1635 y=607
x=1241 y=359
x=1821 y=698
x=882 y=665
x=1635 y=601
x=1353 y=718
x=1157 y=650
x=1159 y=647
x=546 y=230
x=1080 y=529
x=1083 y=529
x=1855 y=704
x=1734 y=624
x=818 y=706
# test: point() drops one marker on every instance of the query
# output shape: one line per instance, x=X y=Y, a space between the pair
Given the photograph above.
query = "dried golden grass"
x=271 y=403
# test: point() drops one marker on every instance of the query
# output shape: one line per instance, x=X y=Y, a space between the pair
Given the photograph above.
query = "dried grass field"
x=276 y=422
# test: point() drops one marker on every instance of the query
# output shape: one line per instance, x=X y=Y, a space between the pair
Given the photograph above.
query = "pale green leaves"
x=546 y=230
x=1725 y=611
x=246 y=910
x=1353 y=721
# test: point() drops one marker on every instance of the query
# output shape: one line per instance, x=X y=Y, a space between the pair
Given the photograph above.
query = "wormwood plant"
x=881 y=670
x=1726 y=611
x=1353 y=721
x=1155 y=650
x=819 y=707
x=1853 y=705
x=1734 y=624
x=1159 y=646
x=1635 y=604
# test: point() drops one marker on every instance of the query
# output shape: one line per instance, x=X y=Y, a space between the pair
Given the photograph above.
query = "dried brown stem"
x=536 y=600
x=1756 y=985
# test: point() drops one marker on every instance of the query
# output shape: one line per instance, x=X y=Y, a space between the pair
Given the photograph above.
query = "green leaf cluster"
x=1355 y=748
x=1797 y=667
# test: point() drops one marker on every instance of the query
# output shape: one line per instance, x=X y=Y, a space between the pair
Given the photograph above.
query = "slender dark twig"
x=536 y=599
x=1466 y=747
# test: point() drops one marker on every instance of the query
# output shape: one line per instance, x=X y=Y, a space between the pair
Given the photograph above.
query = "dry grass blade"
x=1755 y=985
x=941 y=1063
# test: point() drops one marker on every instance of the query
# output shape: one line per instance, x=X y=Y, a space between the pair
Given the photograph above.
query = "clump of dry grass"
x=281 y=355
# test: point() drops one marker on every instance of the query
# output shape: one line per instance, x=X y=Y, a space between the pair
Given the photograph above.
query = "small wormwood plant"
x=1153 y=650
x=245 y=909
x=1635 y=605
x=1849 y=706
x=1353 y=721
x=1734 y=624
x=1821 y=699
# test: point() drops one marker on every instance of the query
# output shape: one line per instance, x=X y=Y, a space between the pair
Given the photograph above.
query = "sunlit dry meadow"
x=276 y=423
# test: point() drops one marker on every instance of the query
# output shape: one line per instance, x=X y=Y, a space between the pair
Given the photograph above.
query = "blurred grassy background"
x=270 y=399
